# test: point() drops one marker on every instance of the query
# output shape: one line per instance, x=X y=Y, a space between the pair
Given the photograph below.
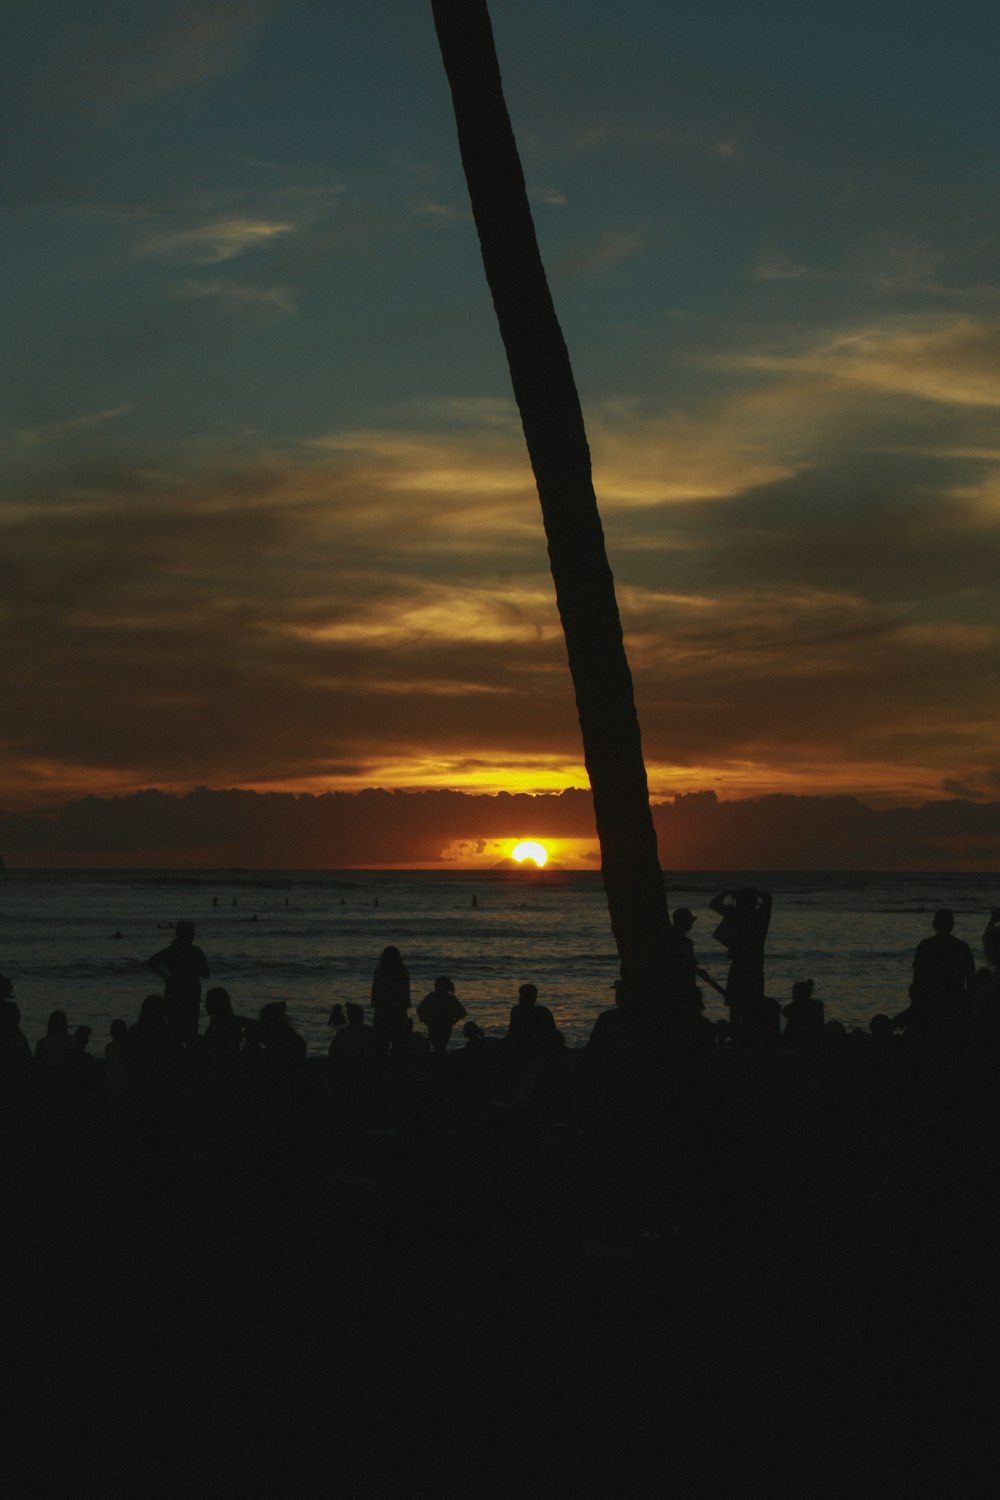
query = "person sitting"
x=354 y=1042
x=278 y=1042
x=882 y=1030
x=225 y=1031
x=151 y=1054
x=113 y=1050
x=532 y=1027
x=81 y=1041
x=804 y=1016
x=15 y=1049
x=56 y=1046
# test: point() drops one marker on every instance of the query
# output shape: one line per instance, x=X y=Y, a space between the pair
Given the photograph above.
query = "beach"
x=690 y=1270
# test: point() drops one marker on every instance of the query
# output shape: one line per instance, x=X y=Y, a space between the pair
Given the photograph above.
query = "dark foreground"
x=771 y=1272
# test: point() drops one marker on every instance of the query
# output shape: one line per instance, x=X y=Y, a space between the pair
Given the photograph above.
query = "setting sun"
x=530 y=850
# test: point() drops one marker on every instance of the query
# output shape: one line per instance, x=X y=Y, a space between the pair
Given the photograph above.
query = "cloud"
x=608 y=248
x=441 y=213
x=649 y=136
x=68 y=427
x=827 y=833
x=378 y=599
x=375 y=827
x=208 y=244
x=232 y=301
x=952 y=360
x=124 y=55
x=776 y=265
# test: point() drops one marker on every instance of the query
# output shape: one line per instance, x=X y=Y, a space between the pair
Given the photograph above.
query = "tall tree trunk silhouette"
x=560 y=457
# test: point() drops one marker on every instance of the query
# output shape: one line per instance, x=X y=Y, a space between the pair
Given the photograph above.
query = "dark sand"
x=774 y=1274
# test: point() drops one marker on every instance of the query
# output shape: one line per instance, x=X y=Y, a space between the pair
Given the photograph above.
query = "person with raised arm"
x=746 y=917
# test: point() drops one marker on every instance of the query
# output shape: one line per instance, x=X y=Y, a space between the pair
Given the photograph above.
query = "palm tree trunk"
x=560 y=457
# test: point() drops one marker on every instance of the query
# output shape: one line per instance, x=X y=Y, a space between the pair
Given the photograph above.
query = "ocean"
x=313 y=937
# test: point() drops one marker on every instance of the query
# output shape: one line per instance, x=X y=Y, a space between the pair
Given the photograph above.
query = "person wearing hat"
x=684 y=964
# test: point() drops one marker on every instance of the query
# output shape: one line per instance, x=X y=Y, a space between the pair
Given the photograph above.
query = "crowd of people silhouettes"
x=953 y=1006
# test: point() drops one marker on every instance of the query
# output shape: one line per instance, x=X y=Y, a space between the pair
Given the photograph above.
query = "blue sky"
x=267 y=513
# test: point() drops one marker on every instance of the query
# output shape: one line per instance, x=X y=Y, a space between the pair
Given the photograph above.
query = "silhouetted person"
x=337 y=1017
x=15 y=1049
x=944 y=975
x=225 y=1031
x=604 y=1032
x=114 y=1049
x=81 y=1041
x=440 y=1010
x=746 y=916
x=151 y=1020
x=984 y=1038
x=56 y=1046
x=804 y=1016
x=479 y=1060
x=532 y=1028
x=354 y=1048
x=182 y=967
x=151 y=1050
x=391 y=1002
x=535 y=1048
x=280 y=1044
x=683 y=964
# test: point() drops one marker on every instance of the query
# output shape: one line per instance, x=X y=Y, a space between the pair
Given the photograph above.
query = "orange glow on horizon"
x=731 y=782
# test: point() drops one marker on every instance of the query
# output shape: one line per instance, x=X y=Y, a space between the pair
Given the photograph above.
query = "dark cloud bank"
x=373 y=828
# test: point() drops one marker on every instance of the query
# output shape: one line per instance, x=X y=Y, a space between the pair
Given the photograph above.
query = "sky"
x=268 y=521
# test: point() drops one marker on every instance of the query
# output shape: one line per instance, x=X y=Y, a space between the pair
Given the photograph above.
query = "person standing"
x=182 y=966
x=746 y=916
x=390 y=1003
x=684 y=963
x=439 y=1011
x=944 y=978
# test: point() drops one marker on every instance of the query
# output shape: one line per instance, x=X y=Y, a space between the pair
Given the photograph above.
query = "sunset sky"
x=268 y=522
